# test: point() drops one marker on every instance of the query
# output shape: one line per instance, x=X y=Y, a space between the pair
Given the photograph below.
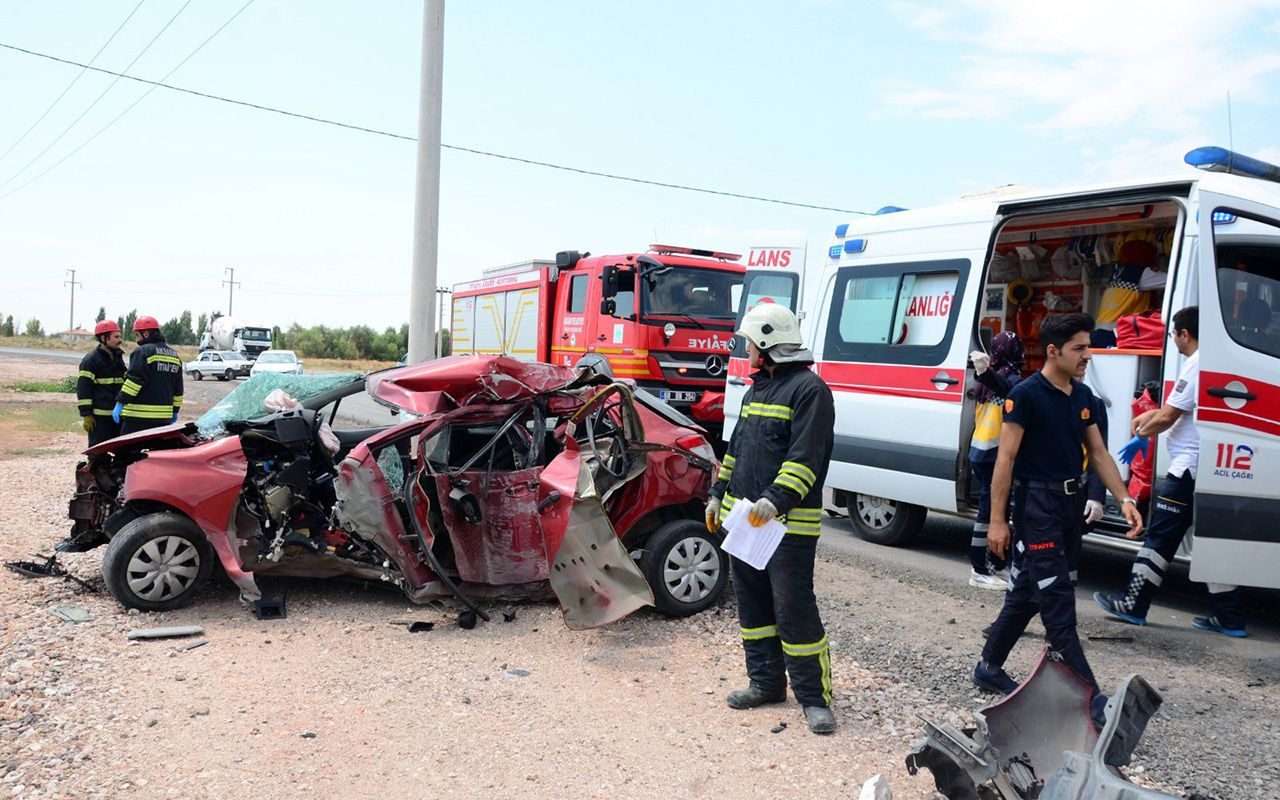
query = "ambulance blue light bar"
x=889 y=210
x=1220 y=159
x=842 y=229
x=855 y=245
x=834 y=252
x=1223 y=218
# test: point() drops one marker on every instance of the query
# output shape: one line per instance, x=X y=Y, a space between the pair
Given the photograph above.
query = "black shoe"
x=993 y=679
x=754 y=697
x=820 y=719
x=1098 y=710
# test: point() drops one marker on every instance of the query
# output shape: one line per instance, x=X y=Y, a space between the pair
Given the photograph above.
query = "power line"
x=110 y=86
x=74 y=80
x=131 y=106
x=362 y=129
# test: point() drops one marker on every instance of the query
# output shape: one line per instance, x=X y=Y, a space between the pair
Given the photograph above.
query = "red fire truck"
x=663 y=318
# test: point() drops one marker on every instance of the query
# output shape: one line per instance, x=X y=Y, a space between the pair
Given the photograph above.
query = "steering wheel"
x=617 y=463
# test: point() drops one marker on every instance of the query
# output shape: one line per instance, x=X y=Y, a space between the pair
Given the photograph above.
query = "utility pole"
x=73 y=283
x=442 y=293
x=231 y=284
x=426 y=214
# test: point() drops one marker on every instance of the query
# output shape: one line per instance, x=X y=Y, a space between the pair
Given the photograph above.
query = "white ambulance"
x=905 y=296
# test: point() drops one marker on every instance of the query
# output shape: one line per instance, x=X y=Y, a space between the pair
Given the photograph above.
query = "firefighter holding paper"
x=777 y=461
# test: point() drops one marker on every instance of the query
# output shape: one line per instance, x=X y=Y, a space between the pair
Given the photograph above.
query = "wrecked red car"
x=498 y=479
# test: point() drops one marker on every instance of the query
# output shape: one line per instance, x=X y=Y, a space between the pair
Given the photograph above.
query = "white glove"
x=761 y=512
x=1092 y=511
x=713 y=514
x=981 y=361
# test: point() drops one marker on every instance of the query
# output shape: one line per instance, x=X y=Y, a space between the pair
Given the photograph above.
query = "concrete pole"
x=426 y=215
x=73 y=283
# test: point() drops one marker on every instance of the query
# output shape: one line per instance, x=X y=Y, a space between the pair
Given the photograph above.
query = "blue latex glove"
x=175 y=418
x=1136 y=445
x=115 y=412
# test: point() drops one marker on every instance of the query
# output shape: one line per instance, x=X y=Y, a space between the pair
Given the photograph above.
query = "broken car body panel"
x=1031 y=743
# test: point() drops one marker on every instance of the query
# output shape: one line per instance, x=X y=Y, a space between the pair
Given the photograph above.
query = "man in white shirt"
x=1173 y=508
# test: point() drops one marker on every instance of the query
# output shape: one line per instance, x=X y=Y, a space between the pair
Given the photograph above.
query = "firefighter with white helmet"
x=787 y=426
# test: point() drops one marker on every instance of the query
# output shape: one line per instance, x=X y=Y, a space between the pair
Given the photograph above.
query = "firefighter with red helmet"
x=100 y=377
x=152 y=390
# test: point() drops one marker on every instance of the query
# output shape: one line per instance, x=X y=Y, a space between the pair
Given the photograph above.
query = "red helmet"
x=146 y=324
x=106 y=326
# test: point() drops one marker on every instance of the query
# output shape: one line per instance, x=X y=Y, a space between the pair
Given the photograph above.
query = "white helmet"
x=769 y=325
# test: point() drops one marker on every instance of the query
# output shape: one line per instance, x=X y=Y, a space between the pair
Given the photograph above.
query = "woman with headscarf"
x=996 y=373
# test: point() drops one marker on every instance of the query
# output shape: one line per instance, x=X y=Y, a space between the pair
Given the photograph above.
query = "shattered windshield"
x=247 y=400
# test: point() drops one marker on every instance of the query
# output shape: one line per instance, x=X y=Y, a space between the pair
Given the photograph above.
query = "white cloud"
x=1064 y=69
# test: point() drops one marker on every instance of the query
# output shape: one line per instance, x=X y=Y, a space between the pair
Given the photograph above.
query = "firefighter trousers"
x=781 y=631
x=1048 y=527
x=104 y=428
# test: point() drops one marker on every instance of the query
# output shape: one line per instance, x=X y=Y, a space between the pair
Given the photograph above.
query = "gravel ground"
x=336 y=701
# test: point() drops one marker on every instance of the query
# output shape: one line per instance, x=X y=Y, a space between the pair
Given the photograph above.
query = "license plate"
x=672 y=395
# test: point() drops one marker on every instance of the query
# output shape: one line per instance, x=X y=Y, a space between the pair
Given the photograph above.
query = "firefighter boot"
x=820 y=719
x=753 y=697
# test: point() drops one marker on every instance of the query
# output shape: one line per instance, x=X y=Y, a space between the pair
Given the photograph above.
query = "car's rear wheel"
x=228 y=375
x=685 y=567
x=883 y=521
x=158 y=562
x=197 y=375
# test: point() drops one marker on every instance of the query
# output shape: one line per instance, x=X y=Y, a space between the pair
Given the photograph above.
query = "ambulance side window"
x=578 y=294
x=1249 y=292
x=895 y=313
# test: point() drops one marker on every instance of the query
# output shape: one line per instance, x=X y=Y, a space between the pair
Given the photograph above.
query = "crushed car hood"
x=434 y=385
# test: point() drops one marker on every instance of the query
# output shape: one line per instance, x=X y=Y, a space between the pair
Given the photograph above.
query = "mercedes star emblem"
x=715 y=365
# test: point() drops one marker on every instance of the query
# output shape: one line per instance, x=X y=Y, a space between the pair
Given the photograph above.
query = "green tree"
x=203 y=324
x=102 y=314
x=445 y=342
x=178 y=330
x=34 y=328
x=7 y=328
x=126 y=324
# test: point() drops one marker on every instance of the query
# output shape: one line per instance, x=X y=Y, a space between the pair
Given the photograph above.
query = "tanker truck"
x=227 y=333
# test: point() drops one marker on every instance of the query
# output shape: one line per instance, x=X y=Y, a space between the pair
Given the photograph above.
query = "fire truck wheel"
x=157 y=562
x=883 y=521
x=685 y=567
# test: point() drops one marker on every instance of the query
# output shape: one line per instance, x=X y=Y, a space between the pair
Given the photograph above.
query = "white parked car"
x=224 y=365
x=283 y=361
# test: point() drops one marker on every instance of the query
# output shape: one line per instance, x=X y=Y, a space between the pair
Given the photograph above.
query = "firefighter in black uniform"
x=777 y=461
x=1050 y=436
x=100 y=377
x=152 y=391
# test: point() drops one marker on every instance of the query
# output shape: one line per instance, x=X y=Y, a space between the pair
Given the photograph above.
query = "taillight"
x=698 y=446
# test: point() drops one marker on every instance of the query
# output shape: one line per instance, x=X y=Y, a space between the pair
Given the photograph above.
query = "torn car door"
x=591 y=572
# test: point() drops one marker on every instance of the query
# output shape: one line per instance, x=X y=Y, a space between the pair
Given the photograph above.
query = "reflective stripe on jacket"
x=152 y=388
x=781 y=447
x=99 y=379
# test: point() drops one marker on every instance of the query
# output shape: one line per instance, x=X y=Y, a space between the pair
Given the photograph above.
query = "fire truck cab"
x=663 y=319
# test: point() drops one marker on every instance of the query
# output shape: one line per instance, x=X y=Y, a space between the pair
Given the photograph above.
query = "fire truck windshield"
x=692 y=292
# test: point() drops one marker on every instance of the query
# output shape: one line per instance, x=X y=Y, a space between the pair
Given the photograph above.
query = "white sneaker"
x=992 y=582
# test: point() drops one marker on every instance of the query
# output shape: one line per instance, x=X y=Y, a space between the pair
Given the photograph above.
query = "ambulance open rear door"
x=1237 y=506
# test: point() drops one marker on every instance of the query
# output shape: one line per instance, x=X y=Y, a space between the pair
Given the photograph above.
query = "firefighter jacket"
x=152 y=388
x=781 y=447
x=101 y=374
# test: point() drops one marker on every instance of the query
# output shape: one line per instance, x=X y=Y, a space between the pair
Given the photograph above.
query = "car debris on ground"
x=174 y=632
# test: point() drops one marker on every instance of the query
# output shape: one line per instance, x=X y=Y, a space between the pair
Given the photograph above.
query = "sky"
x=845 y=105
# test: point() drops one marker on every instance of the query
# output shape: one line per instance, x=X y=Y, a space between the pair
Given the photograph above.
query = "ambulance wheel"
x=883 y=521
x=685 y=567
x=157 y=562
x=197 y=375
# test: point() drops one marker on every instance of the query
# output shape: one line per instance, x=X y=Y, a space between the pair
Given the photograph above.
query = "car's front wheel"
x=228 y=375
x=197 y=375
x=157 y=562
x=883 y=521
x=685 y=567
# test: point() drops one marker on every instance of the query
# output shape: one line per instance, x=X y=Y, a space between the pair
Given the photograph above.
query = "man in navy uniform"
x=1050 y=436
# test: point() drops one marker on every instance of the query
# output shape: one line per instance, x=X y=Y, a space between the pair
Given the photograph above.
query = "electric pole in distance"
x=73 y=283
x=231 y=284
x=442 y=292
